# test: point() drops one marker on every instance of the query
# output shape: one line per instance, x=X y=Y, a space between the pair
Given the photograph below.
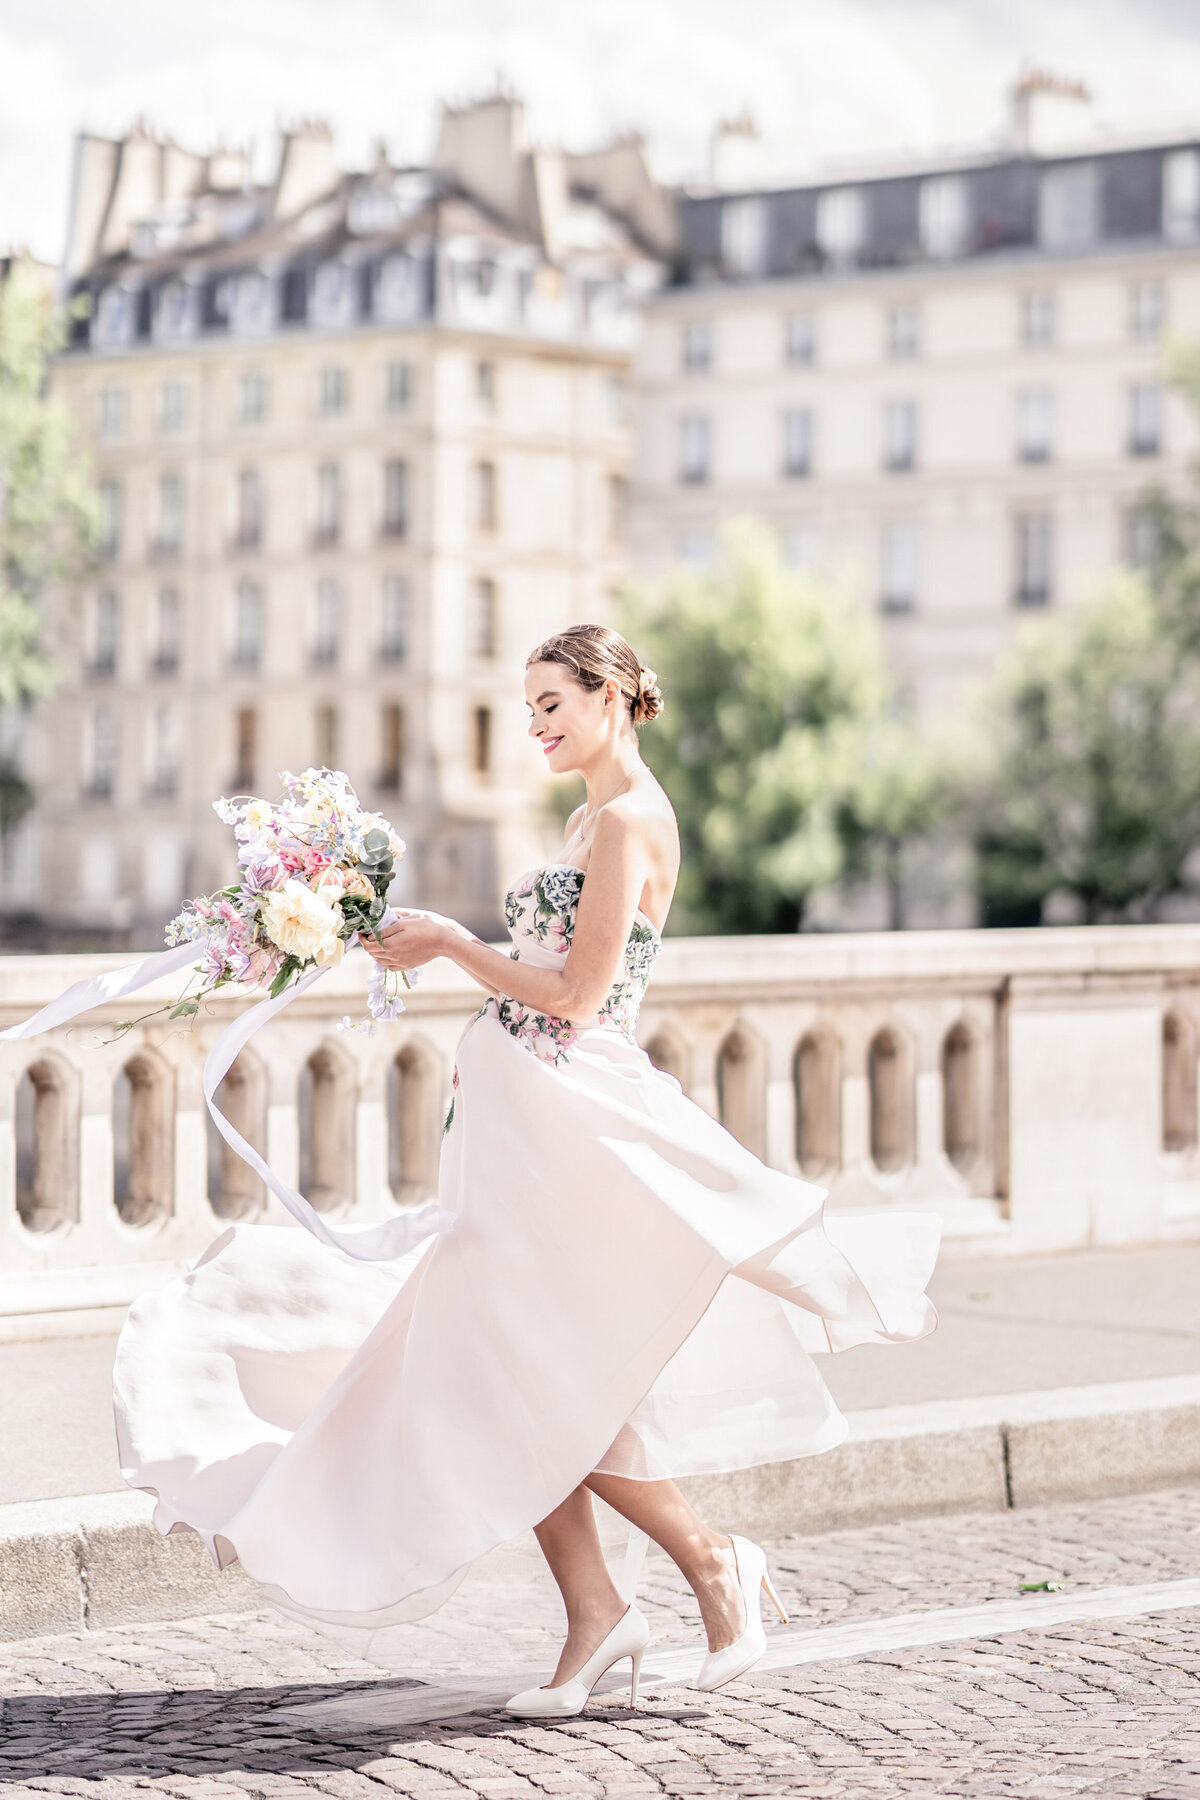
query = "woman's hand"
x=414 y=939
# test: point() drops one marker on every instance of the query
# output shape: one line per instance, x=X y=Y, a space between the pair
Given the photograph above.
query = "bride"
x=627 y=1295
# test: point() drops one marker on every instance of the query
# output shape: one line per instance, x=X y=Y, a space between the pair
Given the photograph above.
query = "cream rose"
x=303 y=924
x=333 y=882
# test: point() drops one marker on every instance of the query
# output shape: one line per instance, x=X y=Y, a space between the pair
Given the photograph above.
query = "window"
x=482 y=635
x=329 y=503
x=333 y=392
x=800 y=338
x=327 y=737
x=245 y=748
x=485 y=384
x=106 y=631
x=481 y=740
x=944 y=215
x=391 y=746
x=903 y=335
x=1068 y=206
x=162 y=750
x=900 y=434
x=1143 y=537
x=252 y=399
x=744 y=235
x=168 y=537
x=1145 y=418
x=110 y=516
x=167 y=631
x=797 y=441
x=483 y=498
x=841 y=223
x=617 y=392
x=327 y=621
x=1033 y=557
x=398 y=386
x=898 y=588
x=249 y=509
x=247 y=624
x=1146 y=309
x=102 y=749
x=395 y=498
x=617 y=493
x=697 y=346
x=394 y=622
x=1181 y=196
x=1035 y=425
x=1037 y=317
x=172 y=406
x=113 y=412
x=694 y=448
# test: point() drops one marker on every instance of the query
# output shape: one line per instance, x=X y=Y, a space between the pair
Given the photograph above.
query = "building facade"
x=361 y=442
x=942 y=385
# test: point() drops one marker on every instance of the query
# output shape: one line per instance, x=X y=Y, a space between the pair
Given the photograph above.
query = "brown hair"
x=595 y=654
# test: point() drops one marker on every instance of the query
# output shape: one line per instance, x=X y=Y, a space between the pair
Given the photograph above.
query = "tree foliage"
x=1095 y=787
x=774 y=689
x=48 y=511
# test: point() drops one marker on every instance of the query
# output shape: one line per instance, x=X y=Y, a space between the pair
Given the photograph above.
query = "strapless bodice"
x=540 y=910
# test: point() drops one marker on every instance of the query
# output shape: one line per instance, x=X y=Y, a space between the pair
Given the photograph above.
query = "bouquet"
x=315 y=871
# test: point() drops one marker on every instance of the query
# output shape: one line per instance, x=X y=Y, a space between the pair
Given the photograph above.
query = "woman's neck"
x=609 y=776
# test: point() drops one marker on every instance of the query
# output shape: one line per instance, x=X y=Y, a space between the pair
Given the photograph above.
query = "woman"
x=357 y=1435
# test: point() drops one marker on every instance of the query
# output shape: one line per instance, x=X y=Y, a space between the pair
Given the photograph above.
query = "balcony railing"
x=1036 y=1089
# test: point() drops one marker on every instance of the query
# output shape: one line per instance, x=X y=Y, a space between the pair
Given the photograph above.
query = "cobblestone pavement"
x=194 y=1709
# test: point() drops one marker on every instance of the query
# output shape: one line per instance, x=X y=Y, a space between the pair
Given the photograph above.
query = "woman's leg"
x=706 y=1557
x=571 y=1545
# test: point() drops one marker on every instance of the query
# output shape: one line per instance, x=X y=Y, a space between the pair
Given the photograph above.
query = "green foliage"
x=1095 y=786
x=48 y=512
x=768 y=745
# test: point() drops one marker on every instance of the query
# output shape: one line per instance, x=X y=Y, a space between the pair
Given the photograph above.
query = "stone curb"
x=87 y=1563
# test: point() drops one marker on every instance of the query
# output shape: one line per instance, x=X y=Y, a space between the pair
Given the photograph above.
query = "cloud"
x=825 y=78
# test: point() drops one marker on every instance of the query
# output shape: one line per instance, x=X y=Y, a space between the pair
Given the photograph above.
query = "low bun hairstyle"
x=594 y=654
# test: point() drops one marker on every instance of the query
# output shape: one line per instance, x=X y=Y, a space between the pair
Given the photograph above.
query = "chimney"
x=483 y=145
x=735 y=158
x=1049 y=113
x=307 y=169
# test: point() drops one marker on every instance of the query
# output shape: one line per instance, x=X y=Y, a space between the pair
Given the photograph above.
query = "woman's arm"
x=616 y=876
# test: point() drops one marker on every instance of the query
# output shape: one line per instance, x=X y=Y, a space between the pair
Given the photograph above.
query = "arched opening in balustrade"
x=960 y=1096
x=234 y=1190
x=741 y=1095
x=889 y=1081
x=415 y=1109
x=1178 y=1082
x=327 y=1104
x=46 y=1130
x=668 y=1053
x=143 y=1122
x=817 y=1098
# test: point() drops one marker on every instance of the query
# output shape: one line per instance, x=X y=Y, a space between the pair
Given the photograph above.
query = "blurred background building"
x=361 y=441
x=941 y=382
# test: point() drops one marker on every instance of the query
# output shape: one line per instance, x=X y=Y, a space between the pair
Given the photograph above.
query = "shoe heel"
x=635 y=1672
x=776 y=1602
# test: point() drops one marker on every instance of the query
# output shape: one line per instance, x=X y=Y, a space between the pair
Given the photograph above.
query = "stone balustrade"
x=1037 y=1089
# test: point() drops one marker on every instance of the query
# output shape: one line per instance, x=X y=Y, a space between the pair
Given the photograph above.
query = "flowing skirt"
x=626 y=1289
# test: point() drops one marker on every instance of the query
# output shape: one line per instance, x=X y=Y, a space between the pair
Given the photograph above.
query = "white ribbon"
x=370 y=1243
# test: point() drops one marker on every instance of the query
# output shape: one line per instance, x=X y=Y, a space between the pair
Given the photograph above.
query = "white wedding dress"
x=625 y=1289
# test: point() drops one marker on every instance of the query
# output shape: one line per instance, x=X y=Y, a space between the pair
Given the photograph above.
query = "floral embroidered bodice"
x=540 y=909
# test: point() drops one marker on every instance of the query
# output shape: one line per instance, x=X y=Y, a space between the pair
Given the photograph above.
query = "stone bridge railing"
x=1037 y=1089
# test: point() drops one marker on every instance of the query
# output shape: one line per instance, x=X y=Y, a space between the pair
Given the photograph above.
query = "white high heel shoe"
x=628 y=1637
x=720 y=1666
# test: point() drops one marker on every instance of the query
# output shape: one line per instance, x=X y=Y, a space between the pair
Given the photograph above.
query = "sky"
x=824 y=79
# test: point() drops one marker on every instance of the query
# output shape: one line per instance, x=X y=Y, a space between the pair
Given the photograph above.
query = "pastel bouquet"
x=315 y=871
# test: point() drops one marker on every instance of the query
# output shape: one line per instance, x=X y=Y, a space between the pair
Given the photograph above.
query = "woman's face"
x=568 y=722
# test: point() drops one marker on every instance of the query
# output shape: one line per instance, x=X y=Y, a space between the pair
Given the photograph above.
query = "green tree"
x=49 y=522
x=902 y=790
x=774 y=689
x=1094 y=790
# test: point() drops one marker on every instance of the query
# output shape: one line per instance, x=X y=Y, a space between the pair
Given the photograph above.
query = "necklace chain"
x=586 y=819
